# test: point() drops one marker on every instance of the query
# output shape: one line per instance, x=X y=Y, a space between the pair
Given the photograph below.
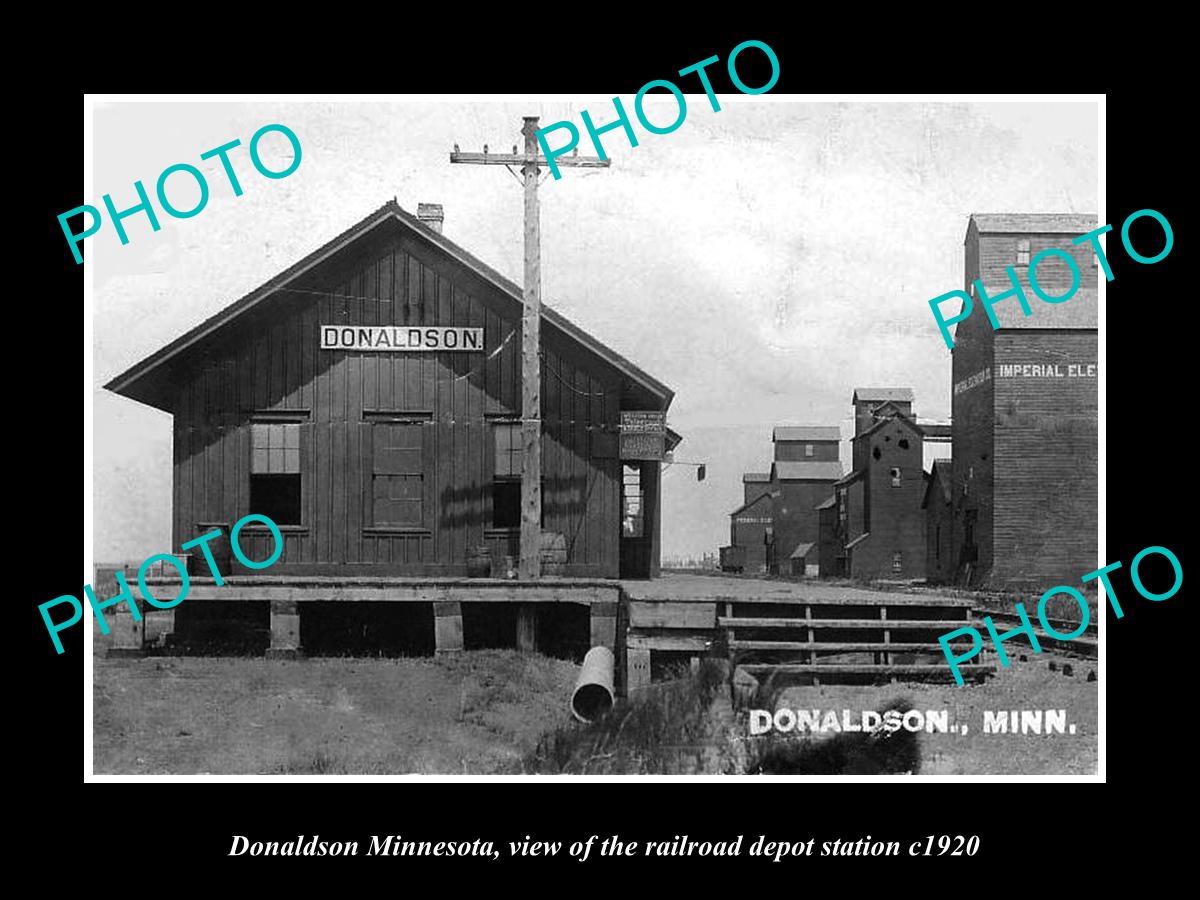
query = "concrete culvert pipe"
x=593 y=694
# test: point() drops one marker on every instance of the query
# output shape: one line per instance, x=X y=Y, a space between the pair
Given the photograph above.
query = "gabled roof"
x=853 y=476
x=887 y=407
x=756 y=477
x=807 y=433
x=939 y=475
x=807 y=471
x=828 y=504
x=802 y=550
x=139 y=382
x=1034 y=223
x=886 y=420
x=878 y=395
x=765 y=495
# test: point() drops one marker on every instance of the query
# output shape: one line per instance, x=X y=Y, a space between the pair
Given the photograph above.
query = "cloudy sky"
x=763 y=260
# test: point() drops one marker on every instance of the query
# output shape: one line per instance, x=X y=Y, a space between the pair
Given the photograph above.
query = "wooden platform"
x=795 y=628
x=287 y=596
x=382 y=589
x=713 y=588
x=792 y=628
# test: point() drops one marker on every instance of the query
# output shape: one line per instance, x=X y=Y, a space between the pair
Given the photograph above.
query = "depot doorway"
x=639 y=519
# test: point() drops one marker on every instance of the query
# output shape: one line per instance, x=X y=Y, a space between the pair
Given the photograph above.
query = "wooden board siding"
x=752 y=491
x=828 y=547
x=752 y=535
x=896 y=520
x=1009 y=461
x=272 y=362
x=939 y=557
x=971 y=414
x=1046 y=449
x=793 y=451
x=795 y=510
x=856 y=509
x=998 y=251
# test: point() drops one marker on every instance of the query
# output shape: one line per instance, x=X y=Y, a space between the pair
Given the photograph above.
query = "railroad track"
x=1085 y=646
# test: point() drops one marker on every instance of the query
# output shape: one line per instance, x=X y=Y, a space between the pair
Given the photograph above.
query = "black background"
x=170 y=833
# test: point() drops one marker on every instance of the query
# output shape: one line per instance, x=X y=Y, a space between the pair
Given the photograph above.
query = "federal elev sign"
x=643 y=434
x=400 y=338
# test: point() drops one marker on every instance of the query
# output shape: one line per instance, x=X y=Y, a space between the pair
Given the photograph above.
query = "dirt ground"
x=481 y=712
x=475 y=712
x=1029 y=685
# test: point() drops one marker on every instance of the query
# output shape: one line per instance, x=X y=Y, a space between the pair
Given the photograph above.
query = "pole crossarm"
x=511 y=159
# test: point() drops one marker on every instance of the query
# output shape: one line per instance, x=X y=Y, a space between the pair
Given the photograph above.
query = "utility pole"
x=531 y=370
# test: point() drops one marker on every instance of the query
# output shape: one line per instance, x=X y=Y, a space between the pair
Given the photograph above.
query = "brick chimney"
x=431 y=214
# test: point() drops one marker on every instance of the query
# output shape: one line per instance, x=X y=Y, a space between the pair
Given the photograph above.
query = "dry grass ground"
x=474 y=712
x=498 y=711
x=683 y=727
x=674 y=727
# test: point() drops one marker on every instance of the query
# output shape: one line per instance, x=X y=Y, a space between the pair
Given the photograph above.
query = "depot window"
x=632 y=518
x=1023 y=252
x=506 y=476
x=398 y=473
x=275 y=471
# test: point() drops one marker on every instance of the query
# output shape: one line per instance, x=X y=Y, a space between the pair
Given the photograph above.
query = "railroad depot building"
x=368 y=400
x=1025 y=410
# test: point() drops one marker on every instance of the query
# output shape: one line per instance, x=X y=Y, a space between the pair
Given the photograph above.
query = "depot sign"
x=643 y=434
x=398 y=339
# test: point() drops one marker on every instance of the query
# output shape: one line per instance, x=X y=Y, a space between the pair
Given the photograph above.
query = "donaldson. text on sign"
x=395 y=337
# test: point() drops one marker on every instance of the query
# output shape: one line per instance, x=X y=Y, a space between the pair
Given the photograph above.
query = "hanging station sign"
x=400 y=338
x=643 y=435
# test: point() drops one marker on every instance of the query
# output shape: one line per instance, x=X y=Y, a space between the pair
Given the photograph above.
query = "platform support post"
x=527 y=627
x=637 y=670
x=604 y=624
x=128 y=636
x=447 y=626
x=285 y=630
